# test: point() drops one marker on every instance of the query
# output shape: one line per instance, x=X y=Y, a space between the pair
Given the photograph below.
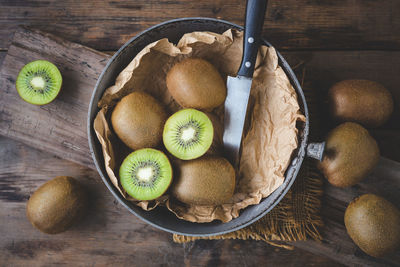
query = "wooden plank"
x=59 y=127
x=290 y=24
x=109 y=234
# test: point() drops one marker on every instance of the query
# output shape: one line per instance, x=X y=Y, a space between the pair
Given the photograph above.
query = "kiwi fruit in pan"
x=207 y=180
x=188 y=134
x=145 y=174
x=138 y=120
x=196 y=83
x=57 y=205
x=39 y=82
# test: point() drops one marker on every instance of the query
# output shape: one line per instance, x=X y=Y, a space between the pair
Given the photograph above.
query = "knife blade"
x=238 y=88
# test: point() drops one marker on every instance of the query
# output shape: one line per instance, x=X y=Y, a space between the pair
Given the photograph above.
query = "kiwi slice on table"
x=39 y=82
x=145 y=174
x=188 y=134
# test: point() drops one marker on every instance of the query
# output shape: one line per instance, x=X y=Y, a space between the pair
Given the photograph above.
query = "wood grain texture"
x=59 y=127
x=2 y=56
x=290 y=24
x=109 y=234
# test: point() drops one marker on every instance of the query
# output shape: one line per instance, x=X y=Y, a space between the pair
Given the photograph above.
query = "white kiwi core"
x=38 y=83
x=188 y=134
x=145 y=173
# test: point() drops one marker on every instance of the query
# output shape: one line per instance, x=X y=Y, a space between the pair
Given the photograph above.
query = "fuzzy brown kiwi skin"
x=373 y=223
x=207 y=180
x=57 y=205
x=216 y=148
x=350 y=154
x=196 y=83
x=366 y=102
x=138 y=120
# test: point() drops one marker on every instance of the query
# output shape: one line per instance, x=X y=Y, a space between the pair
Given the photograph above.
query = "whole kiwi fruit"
x=205 y=181
x=374 y=224
x=366 y=102
x=350 y=154
x=57 y=205
x=196 y=83
x=138 y=120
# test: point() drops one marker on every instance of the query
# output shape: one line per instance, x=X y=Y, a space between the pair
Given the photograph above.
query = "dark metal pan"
x=160 y=217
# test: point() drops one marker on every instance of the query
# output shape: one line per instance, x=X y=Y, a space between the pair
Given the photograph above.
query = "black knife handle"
x=255 y=13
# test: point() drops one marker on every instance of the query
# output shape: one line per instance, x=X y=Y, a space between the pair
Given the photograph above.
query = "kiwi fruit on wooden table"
x=205 y=181
x=138 y=120
x=39 y=82
x=57 y=205
x=188 y=134
x=196 y=83
x=374 y=224
x=145 y=174
x=366 y=102
x=350 y=154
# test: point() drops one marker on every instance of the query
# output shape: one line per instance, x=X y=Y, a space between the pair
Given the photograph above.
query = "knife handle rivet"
x=250 y=40
x=247 y=64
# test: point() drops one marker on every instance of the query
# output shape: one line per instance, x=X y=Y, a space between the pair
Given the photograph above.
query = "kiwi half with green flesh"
x=39 y=82
x=145 y=174
x=188 y=134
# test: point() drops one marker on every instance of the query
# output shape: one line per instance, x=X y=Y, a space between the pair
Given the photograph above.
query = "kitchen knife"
x=239 y=87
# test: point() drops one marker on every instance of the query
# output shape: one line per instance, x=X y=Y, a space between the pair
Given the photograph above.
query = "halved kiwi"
x=39 y=82
x=145 y=174
x=188 y=134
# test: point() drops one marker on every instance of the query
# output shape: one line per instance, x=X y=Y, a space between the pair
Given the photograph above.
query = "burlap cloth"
x=297 y=216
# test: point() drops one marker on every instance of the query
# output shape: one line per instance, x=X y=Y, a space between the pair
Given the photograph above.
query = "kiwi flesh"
x=138 y=120
x=373 y=223
x=57 y=205
x=208 y=180
x=366 y=102
x=350 y=154
x=39 y=82
x=145 y=174
x=196 y=83
x=188 y=134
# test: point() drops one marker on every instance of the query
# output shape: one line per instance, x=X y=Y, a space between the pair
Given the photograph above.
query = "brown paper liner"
x=270 y=136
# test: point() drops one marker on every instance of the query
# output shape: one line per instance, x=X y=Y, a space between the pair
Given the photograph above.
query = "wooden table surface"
x=336 y=40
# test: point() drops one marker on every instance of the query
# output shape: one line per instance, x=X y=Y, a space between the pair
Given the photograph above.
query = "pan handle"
x=316 y=150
